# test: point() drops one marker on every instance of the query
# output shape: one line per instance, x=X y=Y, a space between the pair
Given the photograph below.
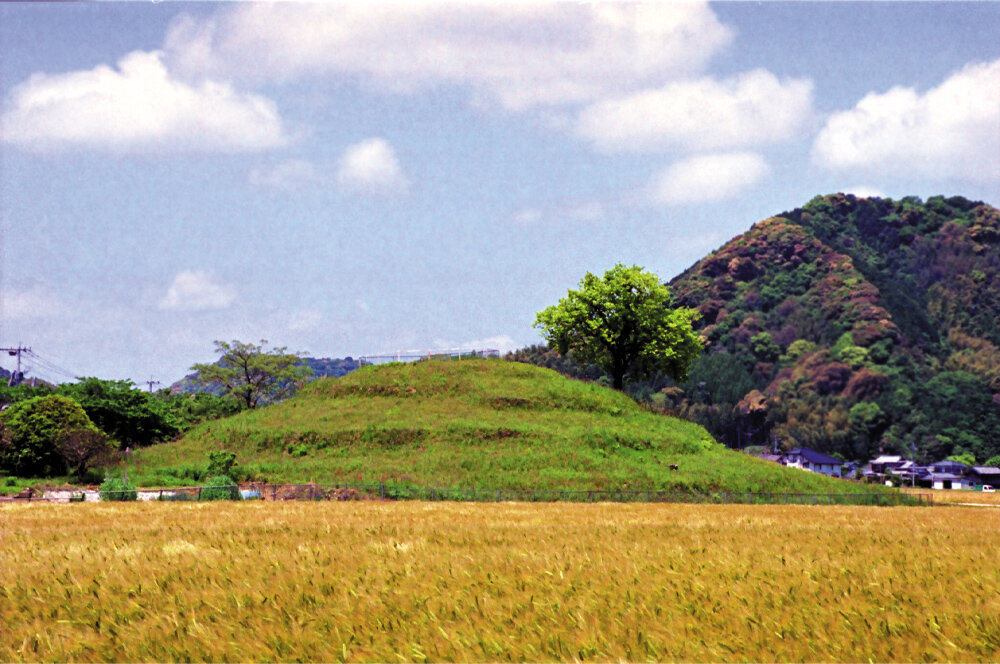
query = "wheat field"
x=401 y=582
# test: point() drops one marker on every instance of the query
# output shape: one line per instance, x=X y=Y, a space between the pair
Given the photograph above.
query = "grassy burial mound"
x=470 y=424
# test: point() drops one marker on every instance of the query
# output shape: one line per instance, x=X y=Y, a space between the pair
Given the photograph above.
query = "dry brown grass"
x=490 y=582
x=940 y=497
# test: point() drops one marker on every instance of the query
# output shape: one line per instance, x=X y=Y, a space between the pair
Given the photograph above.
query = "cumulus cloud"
x=304 y=320
x=523 y=55
x=287 y=175
x=526 y=217
x=197 y=290
x=705 y=178
x=754 y=108
x=371 y=166
x=37 y=301
x=138 y=107
x=864 y=191
x=952 y=130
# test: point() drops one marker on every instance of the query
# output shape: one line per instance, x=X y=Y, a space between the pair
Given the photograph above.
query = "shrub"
x=115 y=488
x=32 y=428
x=221 y=462
x=220 y=487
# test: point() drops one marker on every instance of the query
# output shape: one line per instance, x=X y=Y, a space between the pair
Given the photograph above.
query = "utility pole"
x=17 y=376
x=151 y=383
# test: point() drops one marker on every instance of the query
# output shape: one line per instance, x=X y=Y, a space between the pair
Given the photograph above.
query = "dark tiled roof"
x=812 y=456
x=986 y=470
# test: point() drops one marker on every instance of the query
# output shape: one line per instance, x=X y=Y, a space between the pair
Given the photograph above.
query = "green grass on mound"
x=470 y=423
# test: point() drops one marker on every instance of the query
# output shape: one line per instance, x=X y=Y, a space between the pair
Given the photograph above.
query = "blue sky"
x=346 y=180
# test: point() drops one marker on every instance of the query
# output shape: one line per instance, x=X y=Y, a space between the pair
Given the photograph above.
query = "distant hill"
x=850 y=325
x=477 y=423
x=853 y=326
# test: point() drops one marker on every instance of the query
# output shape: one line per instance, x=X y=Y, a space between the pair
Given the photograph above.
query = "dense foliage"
x=624 y=322
x=252 y=374
x=48 y=435
x=118 y=489
x=851 y=326
x=130 y=416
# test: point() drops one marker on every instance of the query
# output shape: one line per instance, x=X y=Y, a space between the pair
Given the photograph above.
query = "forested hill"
x=852 y=326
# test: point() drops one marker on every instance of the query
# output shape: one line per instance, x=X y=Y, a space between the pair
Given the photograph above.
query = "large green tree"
x=127 y=414
x=625 y=323
x=49 y=435
x=252 y=374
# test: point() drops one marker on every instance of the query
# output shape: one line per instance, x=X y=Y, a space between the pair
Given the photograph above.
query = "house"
x=951 y=467
x=817 y=462
x=985 y=475
x=949 y=481
x=885 y=463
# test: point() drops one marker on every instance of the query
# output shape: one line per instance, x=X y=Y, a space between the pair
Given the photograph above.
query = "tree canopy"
x=251 y=374
x=127 y=414
x=625 y=323
x=45 y=436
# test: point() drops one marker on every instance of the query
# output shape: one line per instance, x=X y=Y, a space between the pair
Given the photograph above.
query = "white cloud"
x=287 y=175
x=754 y=108
x=305 y=320
x=952 y=130
x=523 y=55
x=586 y=212
x=705 y=178
x=38 y=301
x=526 y=217
x=138 y=107
x=371 y=165
x=197 y=290
x=863 y=191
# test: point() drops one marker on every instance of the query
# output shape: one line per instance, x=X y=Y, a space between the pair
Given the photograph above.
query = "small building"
x=949 y=481
x=985 y=475
x=885 y=463
x=951 y=467
x=817 y=462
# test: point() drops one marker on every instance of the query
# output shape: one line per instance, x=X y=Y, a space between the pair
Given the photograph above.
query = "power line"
x=50 y=366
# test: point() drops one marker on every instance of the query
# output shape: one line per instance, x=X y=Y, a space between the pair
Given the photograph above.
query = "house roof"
x=887 y=459
x=812 y=456
x=944 y=476
x=986 y=470
x=948 y=463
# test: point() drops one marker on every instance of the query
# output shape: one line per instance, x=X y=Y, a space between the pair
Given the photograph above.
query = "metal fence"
x=432 y=354
x=343 y=492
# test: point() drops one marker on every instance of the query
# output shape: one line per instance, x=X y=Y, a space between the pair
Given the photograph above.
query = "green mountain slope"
x=473 y=423
x=853 y=326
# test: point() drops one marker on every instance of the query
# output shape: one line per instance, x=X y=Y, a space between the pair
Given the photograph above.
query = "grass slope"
x=475 y=423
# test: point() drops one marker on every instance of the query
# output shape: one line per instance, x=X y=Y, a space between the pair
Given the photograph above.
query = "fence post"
x=199 y=494
x=381 y=491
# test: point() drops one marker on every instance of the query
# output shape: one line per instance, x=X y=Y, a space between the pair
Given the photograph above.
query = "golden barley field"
x=401 y=582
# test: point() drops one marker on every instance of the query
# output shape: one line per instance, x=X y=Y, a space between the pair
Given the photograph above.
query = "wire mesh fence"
x=388 y=492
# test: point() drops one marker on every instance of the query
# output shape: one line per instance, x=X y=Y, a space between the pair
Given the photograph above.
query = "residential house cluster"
x=945 y=474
